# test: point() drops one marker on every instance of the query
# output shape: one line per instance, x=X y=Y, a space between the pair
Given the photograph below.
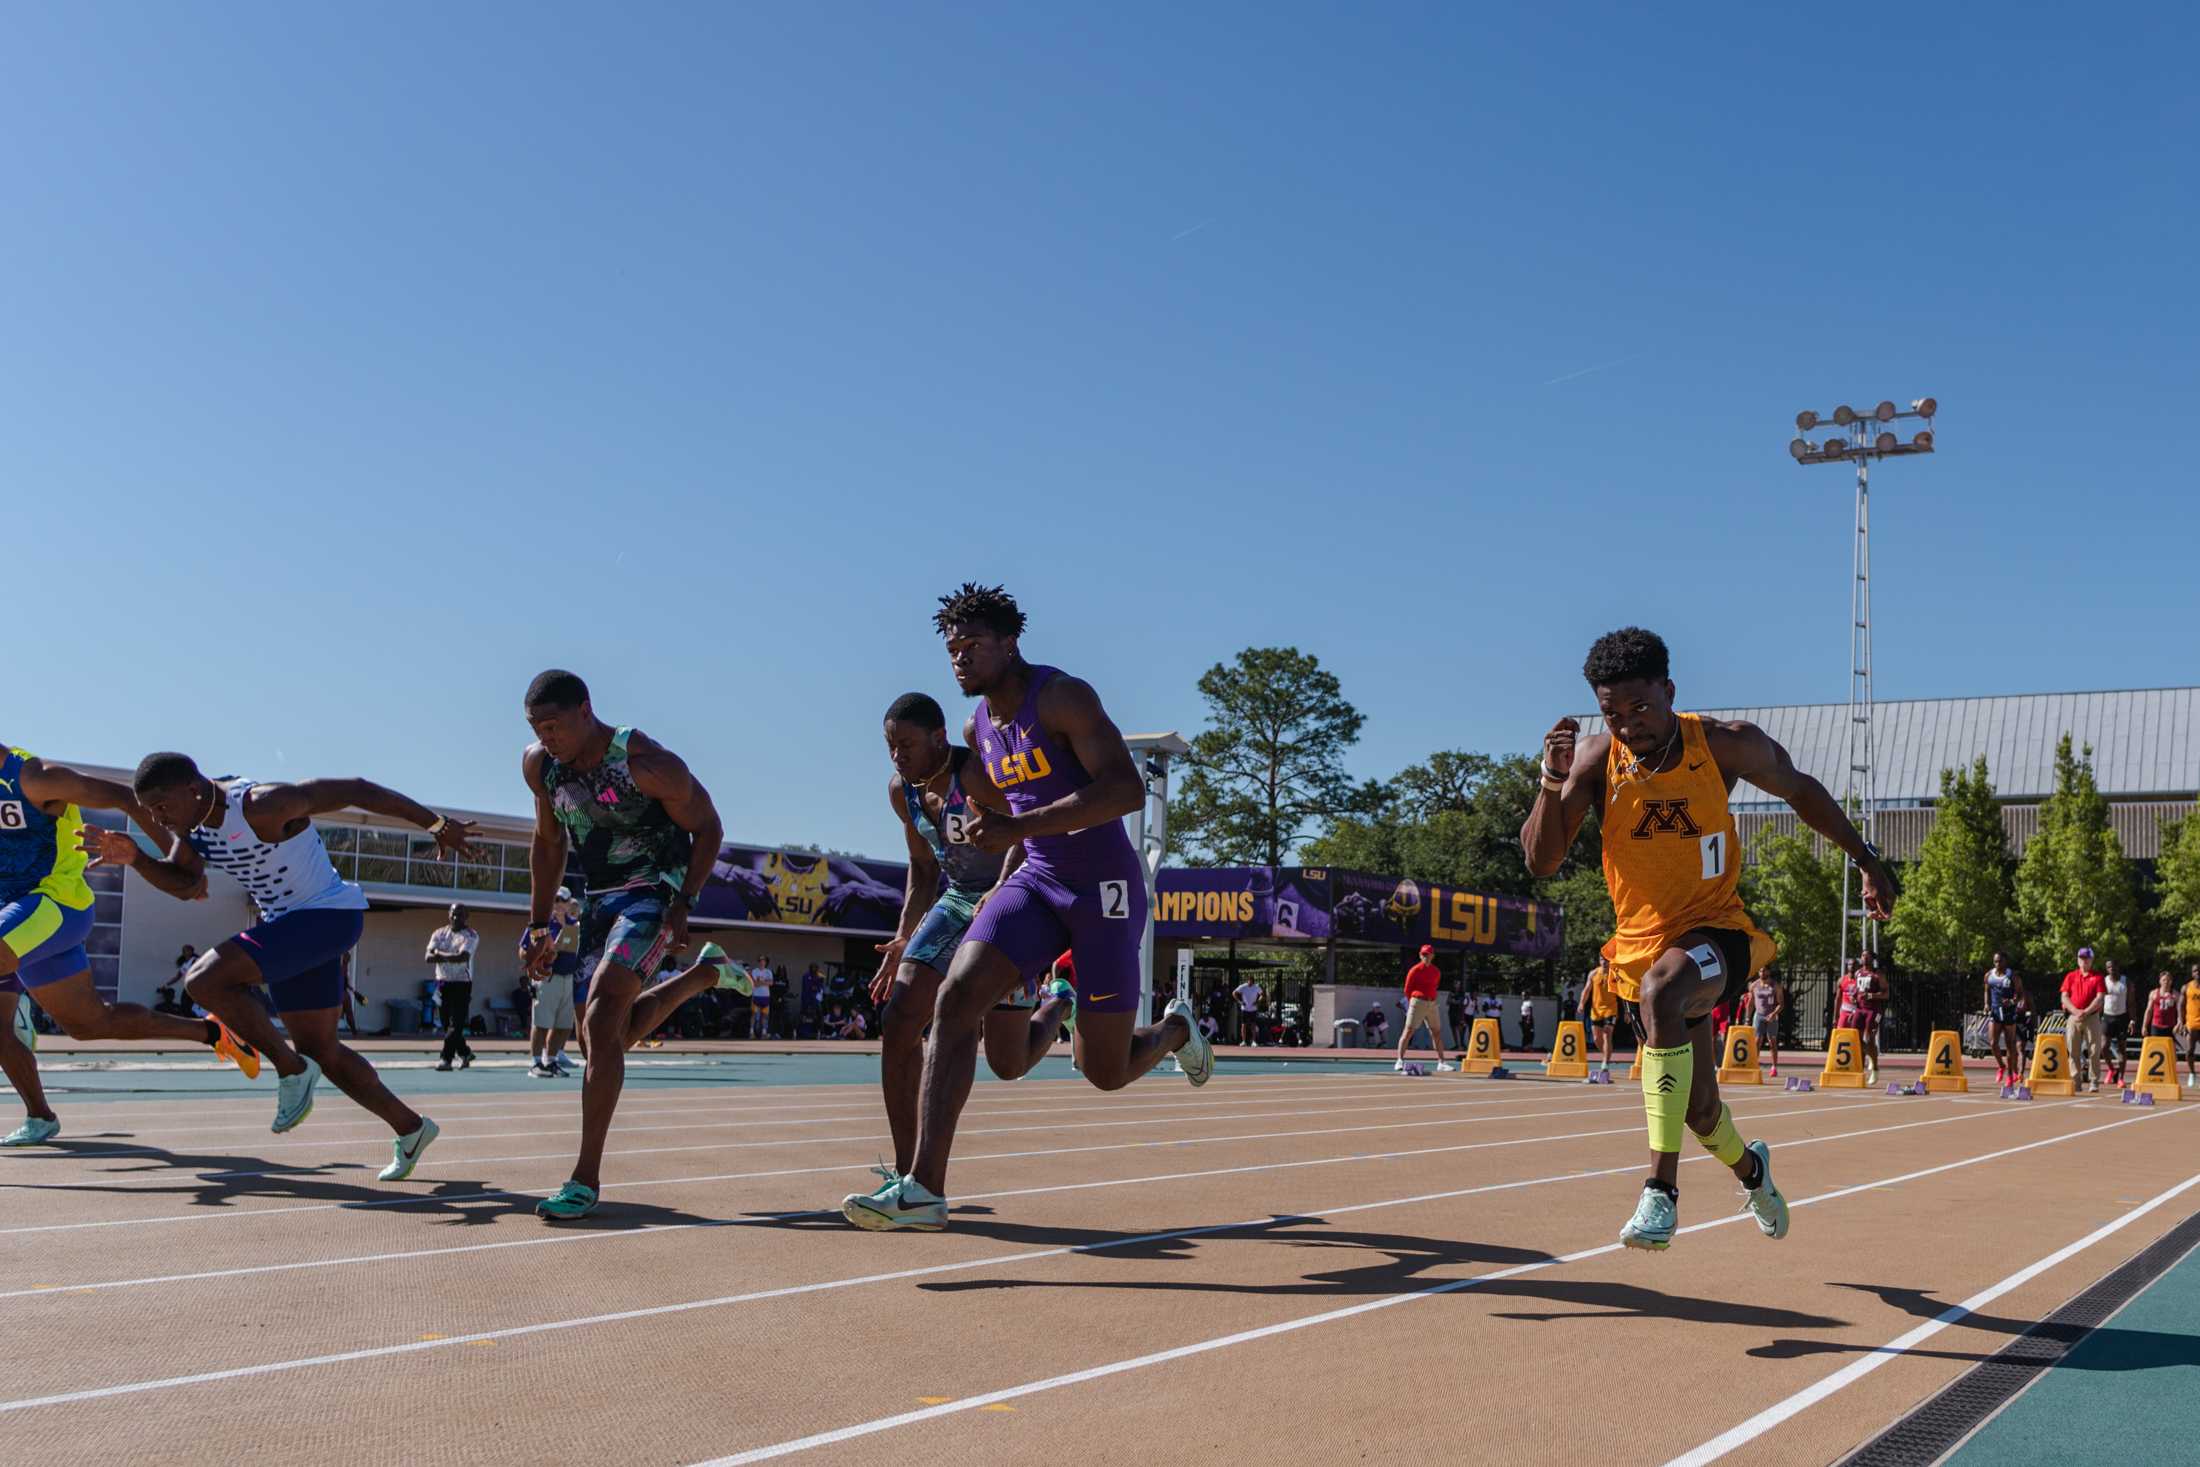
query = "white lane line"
x=183 y=1178
x=1289 y=1326
x=730 y=1117
x=376 y=1352
x=437 y=1199
x=1895 y=1348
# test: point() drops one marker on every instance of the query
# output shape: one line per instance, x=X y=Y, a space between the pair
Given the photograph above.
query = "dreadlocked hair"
x=987 y=606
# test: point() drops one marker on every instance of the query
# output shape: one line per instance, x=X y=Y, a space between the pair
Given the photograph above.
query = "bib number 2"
x=1115 y=900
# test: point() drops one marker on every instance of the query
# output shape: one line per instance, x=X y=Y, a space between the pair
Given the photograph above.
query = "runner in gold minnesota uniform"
x=1682 y=943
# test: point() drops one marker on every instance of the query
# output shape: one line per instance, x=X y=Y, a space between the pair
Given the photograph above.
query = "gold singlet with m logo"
x=799 y=888
x=1670 y=858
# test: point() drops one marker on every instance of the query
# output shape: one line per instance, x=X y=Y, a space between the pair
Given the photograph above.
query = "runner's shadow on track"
x=2107 y=1348
x=230 y=1179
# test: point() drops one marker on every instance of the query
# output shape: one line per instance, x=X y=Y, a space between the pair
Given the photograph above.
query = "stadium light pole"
x=1863 y=437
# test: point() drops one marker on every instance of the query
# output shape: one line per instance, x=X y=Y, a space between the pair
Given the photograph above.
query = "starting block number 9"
x=1481 y=1041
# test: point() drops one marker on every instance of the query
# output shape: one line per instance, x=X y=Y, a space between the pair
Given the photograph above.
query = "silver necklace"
x=1634 y=770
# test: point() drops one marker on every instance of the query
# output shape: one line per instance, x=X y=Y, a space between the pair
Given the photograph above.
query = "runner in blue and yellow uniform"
x=1682 y=944
x=45 y=915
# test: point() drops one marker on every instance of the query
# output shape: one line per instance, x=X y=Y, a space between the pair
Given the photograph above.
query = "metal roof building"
x=2146 y=757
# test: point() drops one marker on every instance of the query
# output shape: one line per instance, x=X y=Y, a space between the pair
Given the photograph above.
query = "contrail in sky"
x=1599 y=367
x=1188 y=233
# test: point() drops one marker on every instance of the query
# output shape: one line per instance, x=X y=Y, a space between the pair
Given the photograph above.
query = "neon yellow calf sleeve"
x=1724 y=1142
x=1667 y=1075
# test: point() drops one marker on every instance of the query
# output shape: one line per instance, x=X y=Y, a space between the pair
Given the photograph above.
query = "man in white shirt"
x=451 y=958
x=1247 y=995
x=761 y=979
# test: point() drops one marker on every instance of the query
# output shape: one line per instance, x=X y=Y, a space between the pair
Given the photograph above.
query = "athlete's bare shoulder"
x=1067 y=704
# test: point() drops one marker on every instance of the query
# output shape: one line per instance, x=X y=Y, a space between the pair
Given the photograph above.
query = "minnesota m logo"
x=1664 y=817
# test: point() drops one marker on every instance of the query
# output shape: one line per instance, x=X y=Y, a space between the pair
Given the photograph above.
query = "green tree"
x=1269 y=768
x=1580 y=889
x=1954 y=911
x=1794 y=890
x=2074 y=887
x=2178 y=874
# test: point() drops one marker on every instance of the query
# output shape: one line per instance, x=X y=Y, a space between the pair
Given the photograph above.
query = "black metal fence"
x=1917 y=1004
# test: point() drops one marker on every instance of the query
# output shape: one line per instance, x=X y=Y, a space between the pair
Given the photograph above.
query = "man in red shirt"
x=1421 y=981
x=2082 y=991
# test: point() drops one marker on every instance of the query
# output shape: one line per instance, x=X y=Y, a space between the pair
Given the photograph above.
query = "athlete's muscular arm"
x=916 y=896
x=660 y=774
x=181 y=873
x=280 y=811
x=1070 y=710
x=545 y=868
x=1558 y=814
x=51 y=786
x=1745 y=751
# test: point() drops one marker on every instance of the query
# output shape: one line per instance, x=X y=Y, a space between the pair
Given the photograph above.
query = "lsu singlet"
x=1033 y=769
x=1671 y=858
x=965 y=868
x=623 y=837
x=38 y=853
x=798 y=886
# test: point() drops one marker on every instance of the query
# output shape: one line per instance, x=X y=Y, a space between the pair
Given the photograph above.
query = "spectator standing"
x=1767 y=1001
x=1246 y=996
x=817 y=995
x=552 y=1017
x=2192 y=1028
x=1871 y=1007
x=1599 y=1009
x=2005 y=1020
x=1422 y=981
x=1527 y=1023
x=2115 y=1017
x=451 y=957
x=761 y=979
x=2082 y=991
x=2161 y=1014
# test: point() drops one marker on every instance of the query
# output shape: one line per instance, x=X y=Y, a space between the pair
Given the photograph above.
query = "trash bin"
x=1340 y=1039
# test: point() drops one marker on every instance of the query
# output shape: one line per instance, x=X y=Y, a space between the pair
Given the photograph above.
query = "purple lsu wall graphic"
x=1317 y=903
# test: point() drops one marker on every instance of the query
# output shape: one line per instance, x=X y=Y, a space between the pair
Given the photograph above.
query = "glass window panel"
x=477 y=878
x=339 y=837
x=432 y=873
x=383 y=843
x=516 y=881
x=388 y=869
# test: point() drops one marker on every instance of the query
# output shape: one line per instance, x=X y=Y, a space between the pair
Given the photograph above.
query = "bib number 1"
x=1714 y=855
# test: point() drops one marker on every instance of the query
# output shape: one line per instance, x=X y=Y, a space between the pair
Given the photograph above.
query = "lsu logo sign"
x=1204 y=906
x=1019 y=767
x=1664 y=817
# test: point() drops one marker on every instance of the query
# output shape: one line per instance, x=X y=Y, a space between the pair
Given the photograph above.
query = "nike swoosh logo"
x=1695 y=766
x=1097 y=997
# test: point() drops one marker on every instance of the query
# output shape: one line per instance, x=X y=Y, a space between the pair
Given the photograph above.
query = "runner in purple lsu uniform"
x=1069 y=780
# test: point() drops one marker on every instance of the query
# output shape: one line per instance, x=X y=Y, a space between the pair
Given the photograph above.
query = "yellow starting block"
x=1844 y=1061
x=2157 y=1072
x=1569 y=1052
x=1485 y=1049
x=1944 y=1064
x=2051 y=1066
x=1740 y=1066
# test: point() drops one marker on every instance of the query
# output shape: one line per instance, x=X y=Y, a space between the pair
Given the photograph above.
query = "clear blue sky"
x=356 y=363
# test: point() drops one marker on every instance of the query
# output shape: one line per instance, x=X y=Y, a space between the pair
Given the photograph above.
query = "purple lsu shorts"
x=1100 y=920
x=301 y=956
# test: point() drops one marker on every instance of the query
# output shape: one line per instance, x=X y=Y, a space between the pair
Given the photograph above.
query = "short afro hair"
x=1624 y=656
x=988 y=606
x=557 y=688
x=163 y=771
x=918 y=709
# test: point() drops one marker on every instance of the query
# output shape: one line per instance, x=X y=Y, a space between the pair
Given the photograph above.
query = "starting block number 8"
x=1568 y=1044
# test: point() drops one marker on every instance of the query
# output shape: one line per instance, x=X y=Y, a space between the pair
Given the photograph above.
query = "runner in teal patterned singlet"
x=646 y=833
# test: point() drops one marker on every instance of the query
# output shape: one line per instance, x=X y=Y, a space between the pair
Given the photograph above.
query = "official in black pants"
x=451 y=950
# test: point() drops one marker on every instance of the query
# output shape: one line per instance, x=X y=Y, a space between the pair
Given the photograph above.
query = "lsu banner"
x=804 y=889
x=1318 y=903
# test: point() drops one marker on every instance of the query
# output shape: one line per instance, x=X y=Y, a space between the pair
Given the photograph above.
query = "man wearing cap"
x=1421 y=982
x=2083 y=988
